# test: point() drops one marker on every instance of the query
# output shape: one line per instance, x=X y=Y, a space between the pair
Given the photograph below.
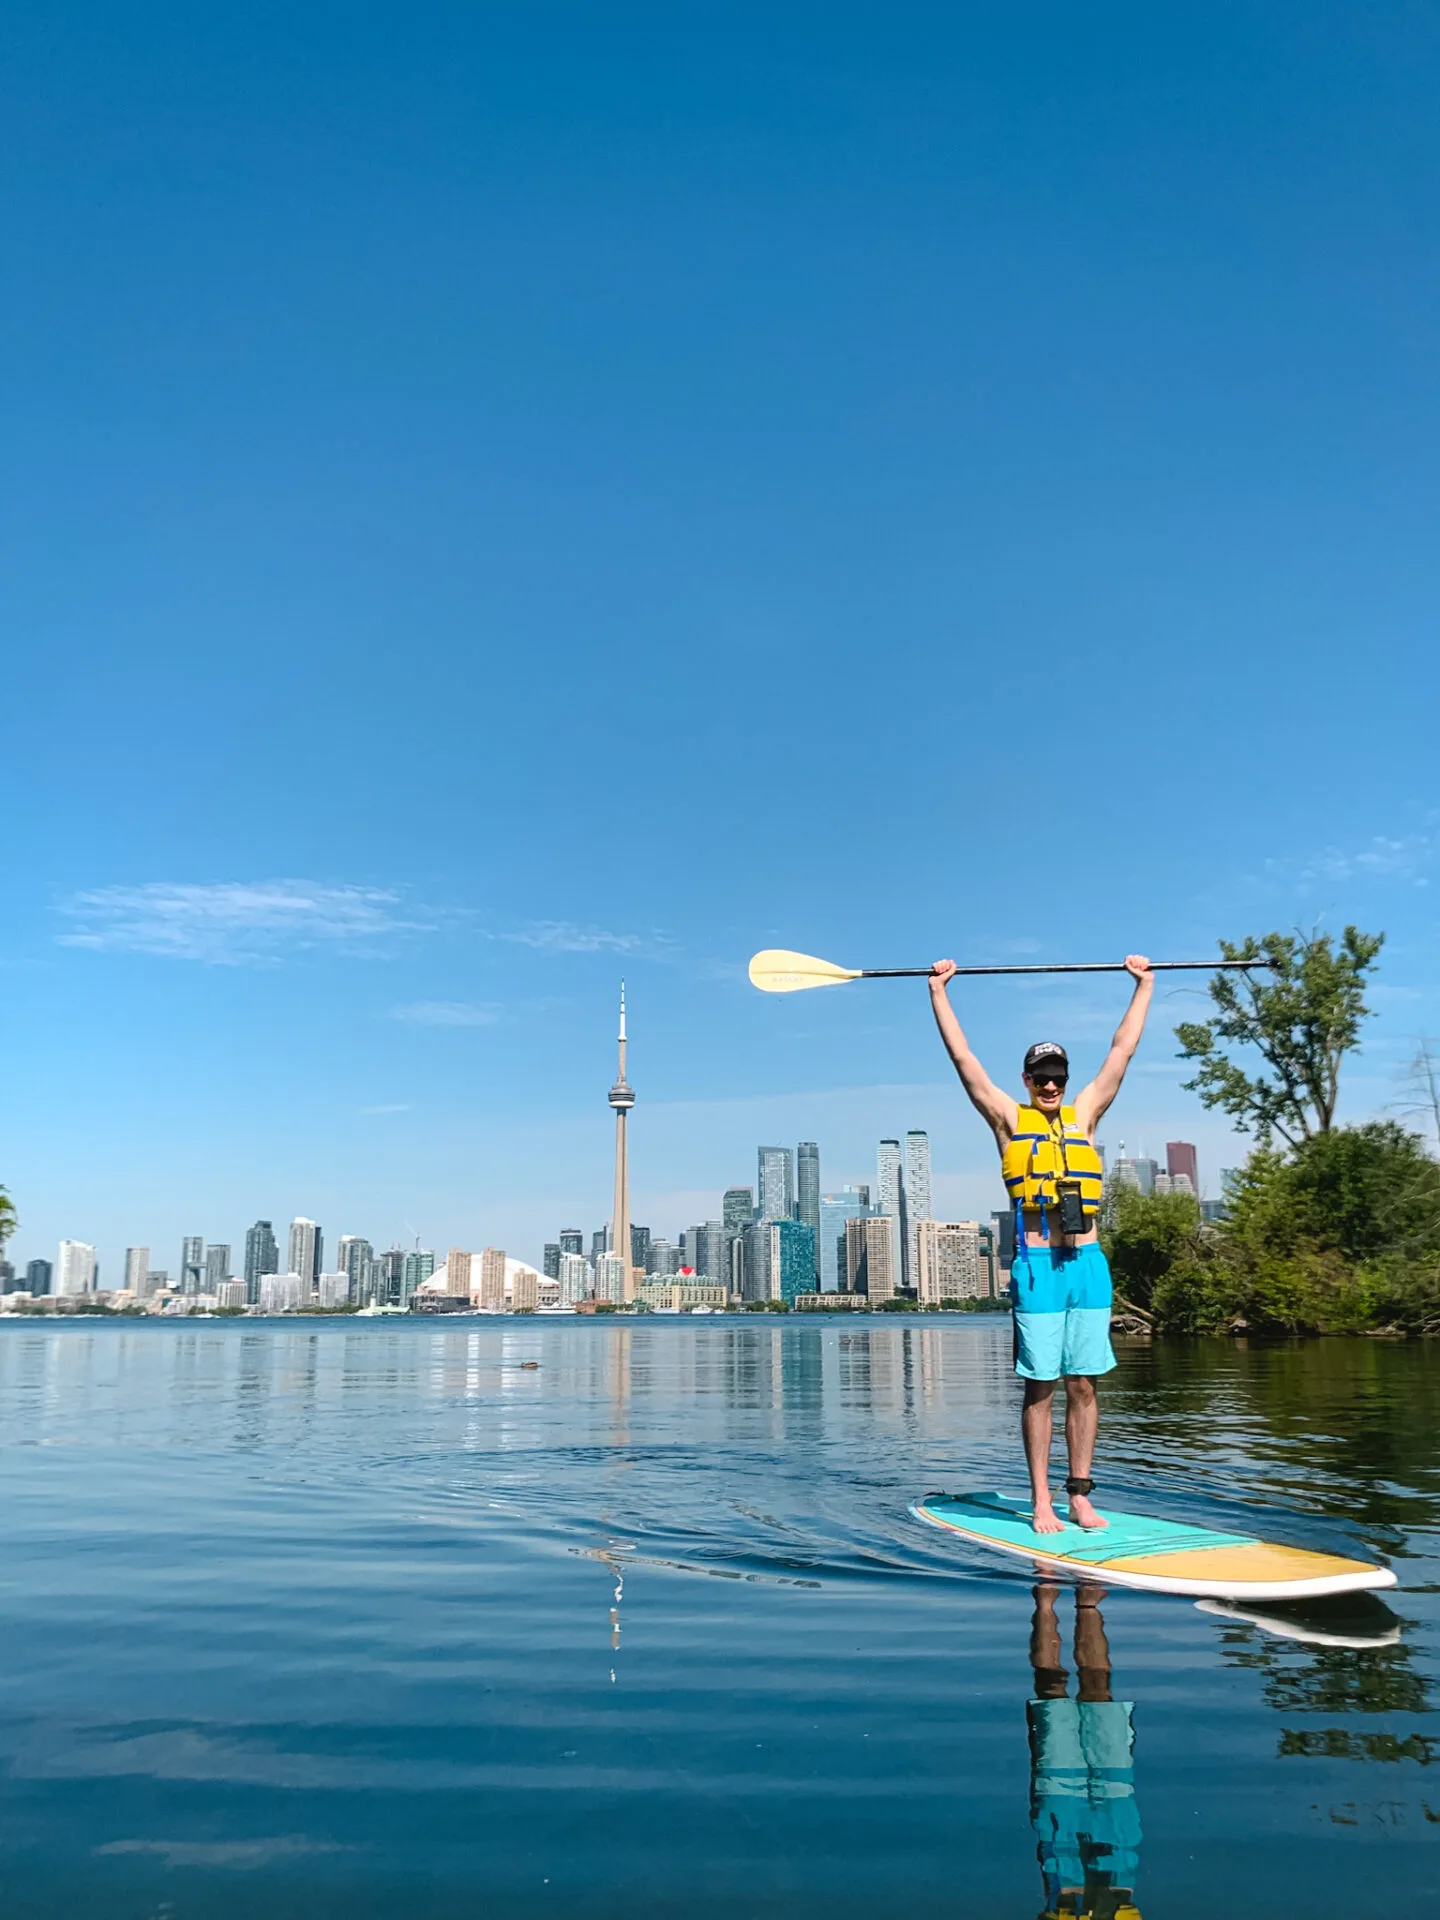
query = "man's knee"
x=1037 y=1391
x=1080 y=1388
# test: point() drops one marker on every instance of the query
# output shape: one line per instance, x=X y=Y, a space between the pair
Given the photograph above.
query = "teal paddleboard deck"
x=1156 y=1556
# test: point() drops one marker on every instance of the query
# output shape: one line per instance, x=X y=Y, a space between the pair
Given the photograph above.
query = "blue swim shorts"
x=1061 y=1297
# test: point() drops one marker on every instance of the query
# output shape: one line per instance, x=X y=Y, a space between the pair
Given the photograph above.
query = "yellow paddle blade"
x=778 y=971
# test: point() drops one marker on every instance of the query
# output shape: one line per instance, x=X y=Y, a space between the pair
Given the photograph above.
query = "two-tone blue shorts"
x=1061 y=1297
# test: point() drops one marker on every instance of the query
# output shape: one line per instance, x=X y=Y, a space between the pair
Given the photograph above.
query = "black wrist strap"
x=1077 y=1484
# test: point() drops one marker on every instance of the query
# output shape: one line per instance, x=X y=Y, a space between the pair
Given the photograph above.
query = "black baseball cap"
x=1043 y=1052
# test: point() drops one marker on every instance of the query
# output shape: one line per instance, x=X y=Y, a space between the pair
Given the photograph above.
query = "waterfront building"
x=280 y=1292
x=807 y=1193
x=457 y=1272
x=737 y=1209
x=989 y=1261
x=75 y=1269
x=1182 y=1159
x=415 y=1269
x=664 y=1257
x=870 y=1262
x=38 y=1275
x=776 y=1183
x=306 y=1251
x=230 y=1294
x=192 y=1263
x=525 y=1290
x=332 y=1290
x=137 y=1271
x=792 y=1259
x=356 y=1259
x=712 y=1253
x=217 y=1265
x=835 y=1209
x=916 y=1198
x=690 y=1249
x=753 y=1278
x=491 y=1297
x=610 y=1278
x=262 y=1255
x=622 y=1099
x=679 y=1296
x=576 y=1279
x=551 y=1260
x=889 y=1197
x=947 y=1262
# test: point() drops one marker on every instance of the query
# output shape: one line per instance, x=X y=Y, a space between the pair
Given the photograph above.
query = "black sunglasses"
x=1050 y=1079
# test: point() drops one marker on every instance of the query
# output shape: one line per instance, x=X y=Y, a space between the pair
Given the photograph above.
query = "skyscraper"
x=889 y=1191
x=712 y=1252
x=572 y=1240
x=262 y=1256
x=807 y=1192
x=575 y=1279
x=416 y=1268
x=457 y=1273
x=38 y=1275
x=870 y=1243
x=640 y=1248
x=356 y=1260
x=792 y=1259
x=1181 y=1158
x=737 y=1209
x=306 y=1243
x=835 y=1209
x=776 y=1183
x=217 y=1265
x=75 y=1269
x=916 y=1198
x=551 y=1260
x=622 y=1099
x=137 y=1271
x=492 y=1280
x=947 y=1262
x=192 y=1263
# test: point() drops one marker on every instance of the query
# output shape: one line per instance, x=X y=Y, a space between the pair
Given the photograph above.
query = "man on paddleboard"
x=1060 y=1281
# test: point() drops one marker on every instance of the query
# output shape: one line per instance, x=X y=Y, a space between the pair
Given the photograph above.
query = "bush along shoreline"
x=1340 y=1234
x=1328 y=1229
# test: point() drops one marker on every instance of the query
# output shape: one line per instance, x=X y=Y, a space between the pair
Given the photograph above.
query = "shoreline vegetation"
x=1327 y=1229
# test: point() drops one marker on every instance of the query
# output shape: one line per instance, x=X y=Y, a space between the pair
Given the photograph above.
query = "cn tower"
x=622 y=1099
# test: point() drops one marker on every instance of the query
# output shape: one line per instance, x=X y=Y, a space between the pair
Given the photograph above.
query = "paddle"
x=778 y=971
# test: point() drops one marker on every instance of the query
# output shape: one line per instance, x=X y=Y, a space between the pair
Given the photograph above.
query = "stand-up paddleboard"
x=1157 y=1556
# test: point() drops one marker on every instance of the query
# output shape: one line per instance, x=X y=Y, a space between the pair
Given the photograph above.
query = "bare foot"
x=1045 y=1518
x=1083 y=1514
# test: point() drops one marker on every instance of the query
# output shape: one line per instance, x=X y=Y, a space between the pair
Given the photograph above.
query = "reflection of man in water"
x=1082 y=1781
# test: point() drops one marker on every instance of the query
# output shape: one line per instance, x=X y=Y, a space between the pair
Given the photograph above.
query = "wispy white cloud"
x=1405 y=860
x=236 y=922
x=564 y=936
x=450 y=1013
x=398 y=1107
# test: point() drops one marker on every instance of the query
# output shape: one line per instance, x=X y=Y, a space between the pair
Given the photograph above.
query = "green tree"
x=8 y=1218
x=1144 y=1236
x=1301 y=1015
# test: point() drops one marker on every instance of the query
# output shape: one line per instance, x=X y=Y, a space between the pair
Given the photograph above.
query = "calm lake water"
x=370 y=1619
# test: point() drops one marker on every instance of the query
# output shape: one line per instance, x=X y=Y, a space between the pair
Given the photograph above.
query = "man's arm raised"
x=996 y=1108
x=1092 y=1102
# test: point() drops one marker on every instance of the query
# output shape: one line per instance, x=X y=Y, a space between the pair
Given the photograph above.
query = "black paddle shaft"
x=1093 y=966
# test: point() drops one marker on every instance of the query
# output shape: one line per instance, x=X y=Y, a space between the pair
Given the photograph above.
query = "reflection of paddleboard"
x=1160 y=1556
x=1315 y=1629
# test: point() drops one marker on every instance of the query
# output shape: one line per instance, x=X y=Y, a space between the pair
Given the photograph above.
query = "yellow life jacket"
x=1043 y=1151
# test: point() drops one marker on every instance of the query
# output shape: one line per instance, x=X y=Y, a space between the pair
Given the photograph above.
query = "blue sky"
x=496 y=498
